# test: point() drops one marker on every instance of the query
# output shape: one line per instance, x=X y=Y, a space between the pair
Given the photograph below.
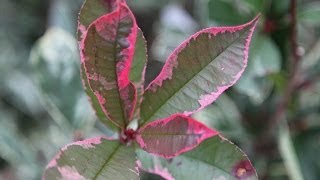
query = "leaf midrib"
x=115 y=58
x=191 y=79
x=107 y=161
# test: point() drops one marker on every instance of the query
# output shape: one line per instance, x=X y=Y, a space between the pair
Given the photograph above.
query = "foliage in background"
x=29 y=136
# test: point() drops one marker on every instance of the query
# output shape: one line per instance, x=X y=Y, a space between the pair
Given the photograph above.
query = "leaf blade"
x=96 y=158
x=198 y=71
x=215 y=158
x=172 y=136
x=89 y=12
x=95 y=103
x=107 y=54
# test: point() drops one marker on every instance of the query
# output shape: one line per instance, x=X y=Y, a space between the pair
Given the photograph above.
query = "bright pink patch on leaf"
x=172 y=136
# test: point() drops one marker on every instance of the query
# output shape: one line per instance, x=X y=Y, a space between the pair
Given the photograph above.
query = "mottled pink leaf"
x=107 y=52
x=172 y=136
x=90 y=11
x=198 y=71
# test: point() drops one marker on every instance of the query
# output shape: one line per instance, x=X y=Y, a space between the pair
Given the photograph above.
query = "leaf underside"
x=96 y=158
x=198 y=71
x=214 y=158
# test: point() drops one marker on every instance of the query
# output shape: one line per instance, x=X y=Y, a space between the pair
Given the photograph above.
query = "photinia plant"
x=153 y=127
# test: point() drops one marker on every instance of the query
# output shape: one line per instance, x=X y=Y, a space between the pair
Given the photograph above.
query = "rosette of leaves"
x=156 y=132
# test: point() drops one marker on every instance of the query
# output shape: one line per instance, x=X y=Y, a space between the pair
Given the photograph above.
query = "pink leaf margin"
x=71 y=172
x=194 y=127
x=171 y=63
x=123 y=67
x=86 y=144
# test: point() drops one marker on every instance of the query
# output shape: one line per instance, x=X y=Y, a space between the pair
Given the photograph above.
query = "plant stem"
x=295 y=59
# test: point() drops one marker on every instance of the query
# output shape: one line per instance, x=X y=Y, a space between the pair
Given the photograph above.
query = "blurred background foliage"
x=43 y=105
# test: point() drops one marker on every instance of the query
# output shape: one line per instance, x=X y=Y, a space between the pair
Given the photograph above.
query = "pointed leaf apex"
x=205 y=65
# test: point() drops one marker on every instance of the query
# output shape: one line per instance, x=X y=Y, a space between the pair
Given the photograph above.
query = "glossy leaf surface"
x=198 y=71
x=172 y=136
x=97 y=158
x=215 y=158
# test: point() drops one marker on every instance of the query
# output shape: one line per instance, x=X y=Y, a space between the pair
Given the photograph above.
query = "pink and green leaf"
x=90 y=11
x=96 y=105
x=108 y=49
x=214 y=158
x=137 y=72
x=172 y=136
x=198 y=71
x=97 y=158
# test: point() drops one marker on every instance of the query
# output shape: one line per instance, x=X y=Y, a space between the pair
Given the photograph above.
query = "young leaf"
x=198 y=71
x=214 y=158
x=172 y=136
x=108 y=49
x=90 y=11
x=136 y=76
x=97 y=158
